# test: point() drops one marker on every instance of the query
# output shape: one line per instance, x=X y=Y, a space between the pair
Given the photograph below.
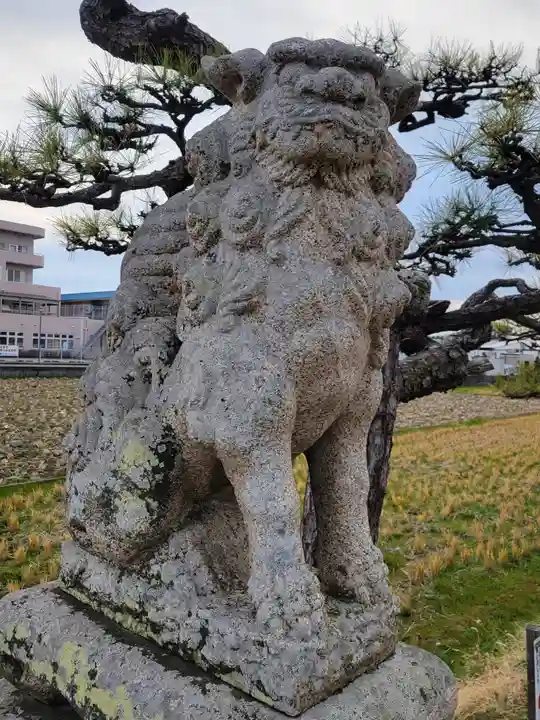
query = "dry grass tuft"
x=34 y=528
x=34 y=543
x=13 y=522
x=20 y=555
x=500 y=689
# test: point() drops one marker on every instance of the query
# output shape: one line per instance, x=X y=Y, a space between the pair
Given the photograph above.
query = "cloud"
x=41 y=39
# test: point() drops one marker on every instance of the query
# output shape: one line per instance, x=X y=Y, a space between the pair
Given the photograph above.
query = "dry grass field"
x=460 y=533
x=31 y=531
x=36 y=414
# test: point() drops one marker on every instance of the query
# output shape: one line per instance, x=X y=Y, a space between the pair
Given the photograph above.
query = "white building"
x=35 y=319
x=505 y=357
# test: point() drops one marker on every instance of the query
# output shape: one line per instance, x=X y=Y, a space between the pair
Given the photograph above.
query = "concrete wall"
x=17 y=251
x=12 y=257
x=30 y=290
x=8 y=238
x=81 y=329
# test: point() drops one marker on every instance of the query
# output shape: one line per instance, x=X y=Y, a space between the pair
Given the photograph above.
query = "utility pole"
x=82 y=338
x=39 y=335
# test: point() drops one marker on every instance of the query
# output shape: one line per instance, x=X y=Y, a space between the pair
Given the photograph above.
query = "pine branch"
x=485 y=307
x=89 y=145
x=130 y=34
x=44 y=192
x=441 y=367
x=456 y=77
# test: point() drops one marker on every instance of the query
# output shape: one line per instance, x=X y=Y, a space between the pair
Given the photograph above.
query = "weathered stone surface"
x=191 y=598
x=16 y=704
x=107 y=674
x=251 y=324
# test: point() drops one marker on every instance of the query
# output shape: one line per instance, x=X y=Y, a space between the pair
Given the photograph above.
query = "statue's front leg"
x=349 y=565
x=284 y=590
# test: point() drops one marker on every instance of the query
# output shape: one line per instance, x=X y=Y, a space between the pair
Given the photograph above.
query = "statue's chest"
x=335 y=230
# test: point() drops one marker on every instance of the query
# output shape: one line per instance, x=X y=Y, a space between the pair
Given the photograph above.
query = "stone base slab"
x=53 y=647
x=17 y=705
x=182 y=599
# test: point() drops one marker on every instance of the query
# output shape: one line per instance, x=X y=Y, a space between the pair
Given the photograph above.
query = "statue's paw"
x=370 y=589
x=290 y=603
x=363 y=580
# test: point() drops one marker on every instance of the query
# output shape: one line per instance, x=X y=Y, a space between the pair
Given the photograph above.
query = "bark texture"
x=441 y=367
x=309 y=525
x=381 y=435
x=130 y=34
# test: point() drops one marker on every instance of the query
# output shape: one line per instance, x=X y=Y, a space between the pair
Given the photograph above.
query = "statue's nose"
x=333 y=84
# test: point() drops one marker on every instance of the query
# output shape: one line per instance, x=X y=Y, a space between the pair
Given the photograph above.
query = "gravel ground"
x=442 y=408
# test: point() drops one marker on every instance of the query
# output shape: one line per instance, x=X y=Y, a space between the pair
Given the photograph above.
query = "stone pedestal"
x=16 y=704
x=190 y=597
x=54 y=648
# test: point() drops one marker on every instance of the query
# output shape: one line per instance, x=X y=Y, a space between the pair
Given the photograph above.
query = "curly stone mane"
x=251 y=203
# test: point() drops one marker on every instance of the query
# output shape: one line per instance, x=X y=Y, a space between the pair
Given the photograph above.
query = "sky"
x=44 y=38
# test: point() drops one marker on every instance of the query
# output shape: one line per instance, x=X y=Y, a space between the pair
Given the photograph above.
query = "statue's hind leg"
x=348 y=563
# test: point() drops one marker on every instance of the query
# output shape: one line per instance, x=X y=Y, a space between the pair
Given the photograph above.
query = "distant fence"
x=47 y=368
x=50 y=354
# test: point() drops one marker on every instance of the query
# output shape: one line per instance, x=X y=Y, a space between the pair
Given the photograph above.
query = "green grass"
x=461 y=535
x=478 y=390
x=467 y=613
x=24 y=488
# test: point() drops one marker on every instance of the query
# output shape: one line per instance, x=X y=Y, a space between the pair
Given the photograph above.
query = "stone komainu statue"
x=250 y=325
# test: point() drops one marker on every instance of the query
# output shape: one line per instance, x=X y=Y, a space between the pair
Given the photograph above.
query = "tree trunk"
x=381 y=435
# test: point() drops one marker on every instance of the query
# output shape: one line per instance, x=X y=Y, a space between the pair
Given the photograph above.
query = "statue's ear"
x=400 y=94
x=238 y=76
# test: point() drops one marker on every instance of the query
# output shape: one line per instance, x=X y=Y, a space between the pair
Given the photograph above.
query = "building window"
x=9 y=337
x=15 y=275
x=76 y=310
x=50 y=341
x=18 y=248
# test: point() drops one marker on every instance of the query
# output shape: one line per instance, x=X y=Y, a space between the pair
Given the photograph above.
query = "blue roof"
x=82 y=297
